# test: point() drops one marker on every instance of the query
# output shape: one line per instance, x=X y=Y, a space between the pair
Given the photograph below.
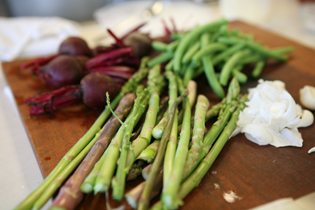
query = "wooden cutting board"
x=256 y=174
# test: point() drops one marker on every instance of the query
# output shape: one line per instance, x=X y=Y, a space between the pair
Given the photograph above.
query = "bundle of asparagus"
x=171 y=145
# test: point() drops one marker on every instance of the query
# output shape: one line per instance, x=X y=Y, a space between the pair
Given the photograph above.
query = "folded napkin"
x=33 y=36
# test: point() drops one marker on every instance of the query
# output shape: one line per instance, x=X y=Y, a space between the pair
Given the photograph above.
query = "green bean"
x=240 y=76
x=258 y=69
x=227 y=53
x=190 y=52
x=190 y=38
x=169 y=65
x=211 y=77
x=230 y=65
x=251 y=59
x=208 y=69
x=254 y=46
x=207 y=50
x=159 y=46
x=160 y=59
x=172 y=46
x=282 y=50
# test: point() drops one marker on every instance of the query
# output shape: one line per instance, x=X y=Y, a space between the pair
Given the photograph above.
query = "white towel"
x=33 y=36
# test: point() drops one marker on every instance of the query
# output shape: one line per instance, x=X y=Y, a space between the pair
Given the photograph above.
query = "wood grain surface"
x=257 y=174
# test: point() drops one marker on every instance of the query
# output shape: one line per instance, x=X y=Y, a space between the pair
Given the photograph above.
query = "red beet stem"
x=167 y=30
x=173 y=25
x=118 y=40
x=97 y=60
x=135 y=29
x=51 y=101
x=123 y=72
x=35 y=64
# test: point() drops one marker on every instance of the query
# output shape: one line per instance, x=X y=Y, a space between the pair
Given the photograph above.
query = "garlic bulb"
x=307 y=97
x=272 y=116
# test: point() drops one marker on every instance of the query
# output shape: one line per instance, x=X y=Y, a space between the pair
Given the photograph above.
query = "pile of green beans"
x=216 y=51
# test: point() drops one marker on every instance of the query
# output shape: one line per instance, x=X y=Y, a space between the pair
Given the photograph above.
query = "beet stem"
x=116 y=53
x=35 y=64
x=51 y=101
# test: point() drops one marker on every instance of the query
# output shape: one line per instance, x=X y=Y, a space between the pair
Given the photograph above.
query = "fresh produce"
x=76 y=63
x=62 y=70
x=75 y=46
x=174 y=145
x=91 y=91
x=75 y=155
x=72 y=46
x=71 y=189
x=272 y=116
x=218 y=52
x=307 y=97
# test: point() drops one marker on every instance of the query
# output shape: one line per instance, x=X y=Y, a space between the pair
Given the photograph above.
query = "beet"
x=92 y=91
x=63 y=70
x=94 y=87
x=75 y=46
x=139 y=42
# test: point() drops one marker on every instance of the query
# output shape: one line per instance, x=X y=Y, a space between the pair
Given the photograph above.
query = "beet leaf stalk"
x=119 y=181
x=70 y=195
x=70 y=156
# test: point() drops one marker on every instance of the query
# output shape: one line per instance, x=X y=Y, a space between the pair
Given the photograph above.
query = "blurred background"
x=292 y=18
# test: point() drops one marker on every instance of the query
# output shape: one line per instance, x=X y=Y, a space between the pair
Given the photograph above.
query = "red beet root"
x=94 y=87
x=75 y=46
x=92 y=91
x=63 y=70
x=140 y=44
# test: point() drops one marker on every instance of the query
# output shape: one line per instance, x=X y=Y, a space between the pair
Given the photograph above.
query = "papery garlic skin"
x=307 y=97
x=272 y=116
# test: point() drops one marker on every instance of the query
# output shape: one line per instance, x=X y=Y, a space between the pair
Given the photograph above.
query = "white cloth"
x=126 y=15
x=33 y=36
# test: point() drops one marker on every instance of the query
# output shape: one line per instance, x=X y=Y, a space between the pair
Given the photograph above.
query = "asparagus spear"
x=170 y=189
x=149 y=153
x=70 y=195
x=105 y=174
x=119 y=180
x=171 y=149
x=214 y=111
x=195 y=178
x=149 y=185
x=69 y=157
x=215 y=129
x=198 y=130
x=155 y=84
x=158 y=129
x=134 y=194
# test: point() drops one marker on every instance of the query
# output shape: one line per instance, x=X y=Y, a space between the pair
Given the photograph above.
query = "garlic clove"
x=307 y=119
x=307 y=97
